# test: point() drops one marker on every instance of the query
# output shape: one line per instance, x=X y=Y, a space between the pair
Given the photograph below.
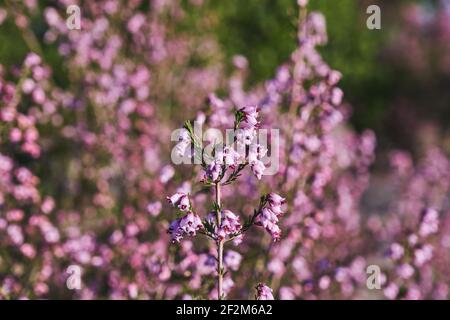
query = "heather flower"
x=32 y=60
x=256 y=153
x=213 y=171
x=302 y=3
x=268 y=219
x=231 y=157
x=180 y=200
x=16 y=234
x=275 y=200
x=391 y=291
x=263 y=292
x=430 y=223
x=184 y=142
x=269 y=214
x=187 y=225
x=232 y=260
x=154 y=208
x=258 y=168
x=250 y=116
x=423 y=255
x=396 y=251
x=166 y=174
x=230 y=224
x=245 y=136
x=405 y=270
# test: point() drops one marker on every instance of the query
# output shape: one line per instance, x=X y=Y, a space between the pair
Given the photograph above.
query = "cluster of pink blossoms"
x=268 y=216
x=180 y=200
x=230 y=224
x=263 y=292
x=189 y=224
x=228 y=157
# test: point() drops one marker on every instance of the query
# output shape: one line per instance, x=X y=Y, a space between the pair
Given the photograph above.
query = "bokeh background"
x=380 y=72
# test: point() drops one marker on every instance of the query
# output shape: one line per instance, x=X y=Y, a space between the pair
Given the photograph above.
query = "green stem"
x=219 y=246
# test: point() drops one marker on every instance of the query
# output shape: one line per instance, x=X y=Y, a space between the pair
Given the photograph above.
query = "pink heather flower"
x=313 y=143
x=268 y=217
x=250 y=116
x=240 y=62
x=302 y=3
x=48 y=205
x=154 y=208
x=336 y=96
x=405 y=271
x=287 y=293
x=184 y=136
x=275 y=199
x=232 y=260
x=166 y=173
x=430 y=223
x=227 y=156
x=213 y=171
x=263 y=292
x=229 y=225
x=187 y=225
x=245 y=136
x=413 y=239
x=6 y=163
x=28 y=85
x=190 y=223
x=414 y=293
x=423 y=255
x=231 y=157
x=258 y=168
x=7 y=114
x=136 y=22
x=184 y=140
x=276 y=266
x=28 y=250
x=396 y=251
x=51 y=234
x=32 y=59
x=238 y=240
x=256 y=152
x=39 y=96
x=180 y=200
x=324 y=282
x=14 y=215
x=334 y=77
x=391 y=291
x=15 y=233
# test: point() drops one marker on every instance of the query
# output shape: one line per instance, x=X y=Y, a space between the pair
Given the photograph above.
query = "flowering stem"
x=219 y=246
